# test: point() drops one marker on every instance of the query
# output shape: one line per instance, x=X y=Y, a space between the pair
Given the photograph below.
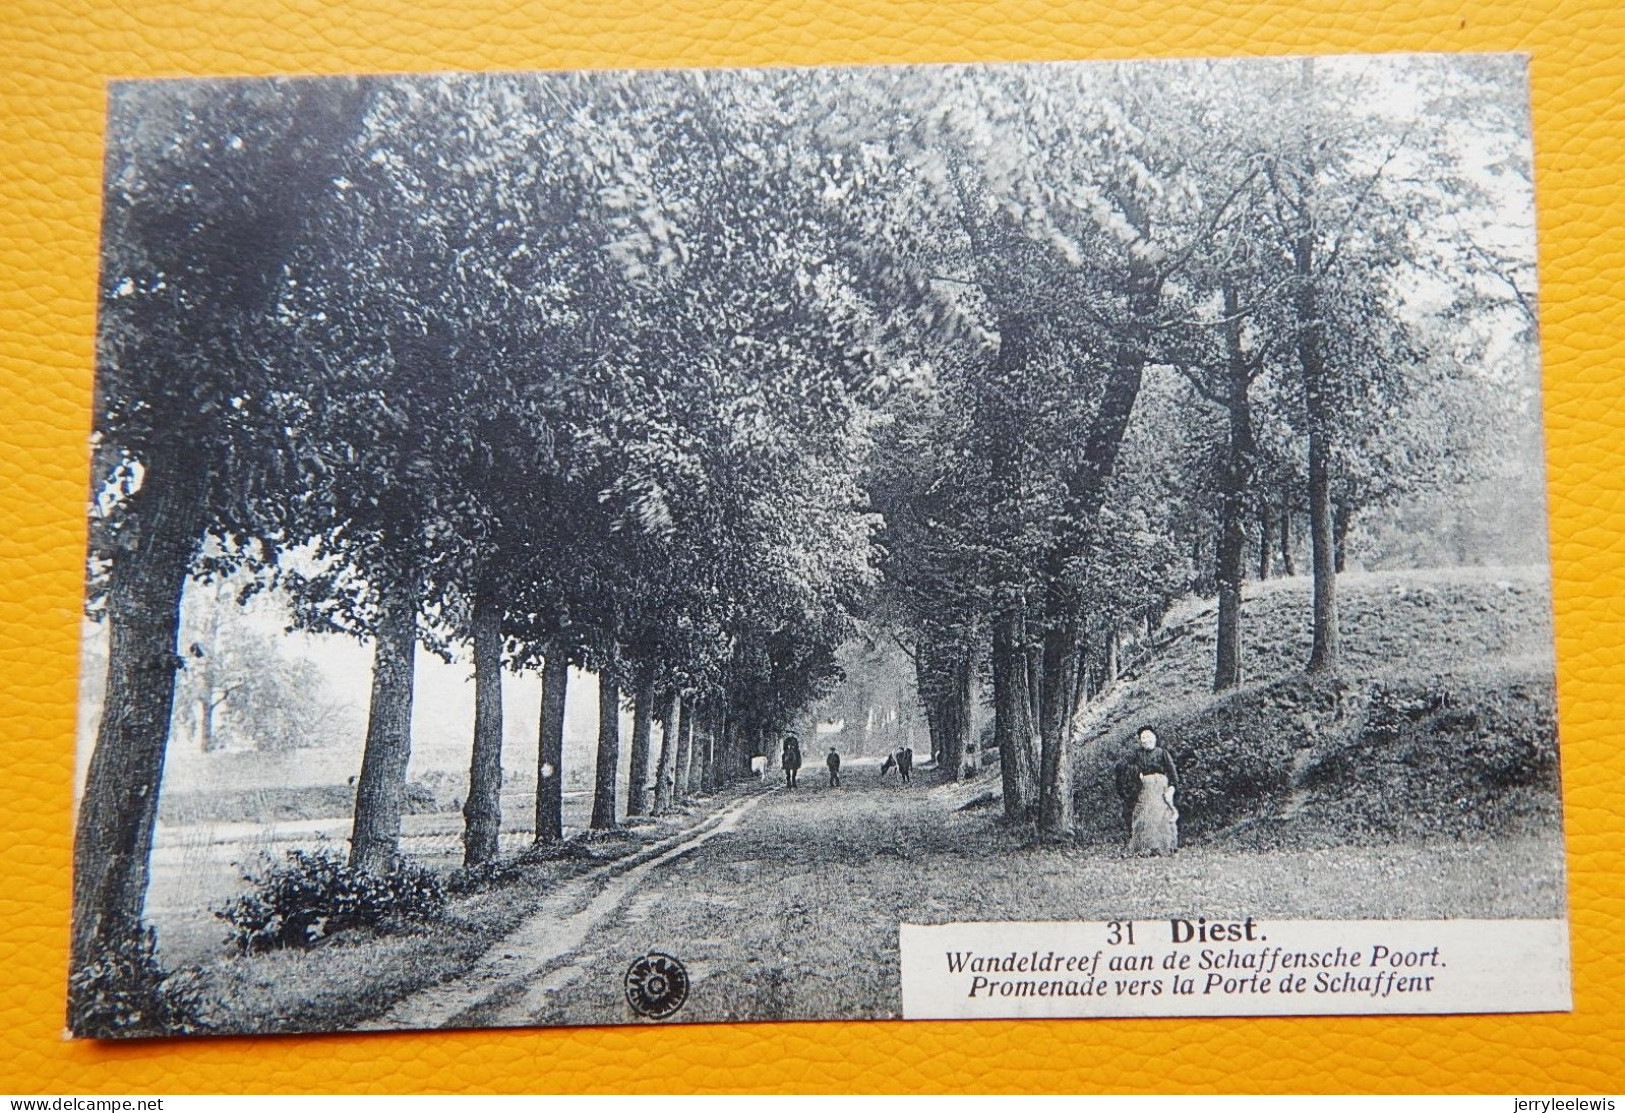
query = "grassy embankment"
x=1440 y=724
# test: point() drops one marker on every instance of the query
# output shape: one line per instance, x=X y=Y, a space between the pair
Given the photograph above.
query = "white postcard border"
x=1193 y=966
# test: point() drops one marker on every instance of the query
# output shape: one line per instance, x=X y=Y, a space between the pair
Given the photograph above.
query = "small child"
x=834 y=763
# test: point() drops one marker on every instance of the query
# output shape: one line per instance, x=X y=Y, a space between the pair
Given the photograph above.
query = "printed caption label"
x=1200 y=967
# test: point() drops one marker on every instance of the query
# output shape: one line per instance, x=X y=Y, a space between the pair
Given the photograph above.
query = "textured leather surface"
x=57 y=55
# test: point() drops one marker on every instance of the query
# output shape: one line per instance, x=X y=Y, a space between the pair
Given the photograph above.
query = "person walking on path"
x=834 y=763
x=1146 y=780
x=791 y=759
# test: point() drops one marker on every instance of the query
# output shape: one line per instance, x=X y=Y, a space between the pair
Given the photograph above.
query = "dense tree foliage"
x=686 y=378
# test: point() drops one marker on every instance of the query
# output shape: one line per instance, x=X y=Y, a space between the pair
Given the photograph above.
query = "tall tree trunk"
x=550 y=749
x=713 y=749
x=722 y=752
x=1323 y=656
x=1015 y=732
x=609 y=742
x=955 y=714
x=700 y=753
x=735 y=739
x=1227 y=655
x=759 y=748
x=380 y=791
x=1084 y=482
x=1058 y=689
x=163 y=524
x=113 y=835
x=643 y=710
x=715 y=726
x=666 y=776
x=1015 y=725
x=1236 y=477
x=683 y=780
x=1288 y=565
x=206 y=709
x=1263 y=539
x=1341 y=520
x=943 y=676
x=1084 y=681
x=482 y=811
x=927 y=684
x=202 y=661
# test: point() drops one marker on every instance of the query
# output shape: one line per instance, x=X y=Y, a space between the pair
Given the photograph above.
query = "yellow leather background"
x=56 y=55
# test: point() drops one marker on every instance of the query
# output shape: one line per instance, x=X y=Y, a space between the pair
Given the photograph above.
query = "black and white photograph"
x=658 y=547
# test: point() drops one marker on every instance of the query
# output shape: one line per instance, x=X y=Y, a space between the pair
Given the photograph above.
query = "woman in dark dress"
x=1153 y=820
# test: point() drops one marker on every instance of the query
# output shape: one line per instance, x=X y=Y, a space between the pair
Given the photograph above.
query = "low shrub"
x=1228 y=776
x=315 y=894
x=487 y=875
x=1516 y=743
x=1436 y=760
x=125 y=991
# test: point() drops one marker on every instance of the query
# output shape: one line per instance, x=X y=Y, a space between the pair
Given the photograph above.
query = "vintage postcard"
x=1053 y=540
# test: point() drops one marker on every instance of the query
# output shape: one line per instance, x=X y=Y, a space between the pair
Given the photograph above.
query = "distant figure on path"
x=1146 y=780
x=834 y=763
x=902 y=760
x=791 y=759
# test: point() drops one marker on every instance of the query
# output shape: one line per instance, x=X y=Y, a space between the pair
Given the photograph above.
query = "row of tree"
x=431 y=358
x=1216 y=298
x=676 y=377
